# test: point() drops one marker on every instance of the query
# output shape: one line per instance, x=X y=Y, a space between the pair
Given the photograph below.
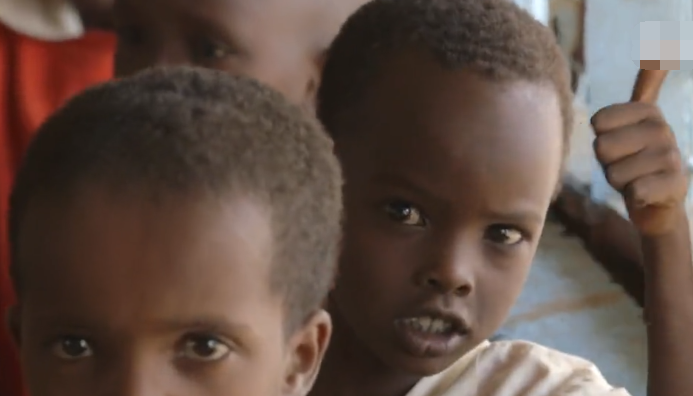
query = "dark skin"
x=166 y=298
x=448 y=180
x=96 y=14
x=436 y=218
x=641 y=160
x=277 y=42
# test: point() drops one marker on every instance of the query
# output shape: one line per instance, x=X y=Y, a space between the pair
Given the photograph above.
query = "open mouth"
x=431 y=335
x=428 y=324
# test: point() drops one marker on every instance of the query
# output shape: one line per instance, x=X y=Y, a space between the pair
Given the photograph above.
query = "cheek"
x=260 y=375
x=499 y=286
x=288 y=75
x=370 y=254
x=121 y=66
x=128 y=61
x=373 y=265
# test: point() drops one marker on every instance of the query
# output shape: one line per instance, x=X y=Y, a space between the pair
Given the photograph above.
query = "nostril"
x=433 y=283
x=453 y=284
x=463 y=290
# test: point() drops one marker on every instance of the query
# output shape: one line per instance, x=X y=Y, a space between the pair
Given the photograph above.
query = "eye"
x=504 y=235
x=405 y=213
x=213 y=50
x=72 y=348
x=204 y=348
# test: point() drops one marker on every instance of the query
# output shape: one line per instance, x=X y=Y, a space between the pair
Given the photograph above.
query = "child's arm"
x=641 y=160
x=669 y=311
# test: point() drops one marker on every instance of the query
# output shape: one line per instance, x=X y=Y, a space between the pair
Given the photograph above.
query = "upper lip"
x=459 y=324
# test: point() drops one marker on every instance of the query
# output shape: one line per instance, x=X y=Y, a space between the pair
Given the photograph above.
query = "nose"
x=138 y=376
x=171 y=54
x=449 y=268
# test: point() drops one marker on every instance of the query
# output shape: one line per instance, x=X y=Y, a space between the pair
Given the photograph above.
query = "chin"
x=401 y=360
x=425 y=367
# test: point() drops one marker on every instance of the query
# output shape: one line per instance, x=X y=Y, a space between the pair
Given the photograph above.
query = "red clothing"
x=36 y=77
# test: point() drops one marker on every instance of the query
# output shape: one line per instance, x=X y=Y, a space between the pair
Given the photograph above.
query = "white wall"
x=612 y=28
x=538 y=8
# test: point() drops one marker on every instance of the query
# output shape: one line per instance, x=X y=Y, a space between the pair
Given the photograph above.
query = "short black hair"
x=195 y=131
x=493 y=37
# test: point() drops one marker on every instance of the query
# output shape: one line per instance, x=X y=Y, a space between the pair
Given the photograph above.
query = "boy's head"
x=175 y=233
x=278 y=42
x=450 y=118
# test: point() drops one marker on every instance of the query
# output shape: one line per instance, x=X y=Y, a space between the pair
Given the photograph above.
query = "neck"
x=351 y=369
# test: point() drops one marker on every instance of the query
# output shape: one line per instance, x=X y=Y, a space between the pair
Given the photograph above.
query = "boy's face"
x=126 y=297
x=95 y=13
x=448 y=180
x=267 y=40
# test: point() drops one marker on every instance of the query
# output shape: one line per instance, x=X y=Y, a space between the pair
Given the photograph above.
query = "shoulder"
x=539 y=357
x=512 y=368
x=541 y=371
x=54 y=20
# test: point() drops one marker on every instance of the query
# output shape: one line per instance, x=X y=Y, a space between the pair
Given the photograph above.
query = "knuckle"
x=672 y=160
x=662 y=131
x=597 y=120
x=637 y=192
x=682 y=191
x=605 y=116
x=651 y=109
x=685 y=185
x=612 y=176
x=600 y=148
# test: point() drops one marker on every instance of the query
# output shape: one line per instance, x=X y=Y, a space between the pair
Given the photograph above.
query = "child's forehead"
x=264 y=28
x=233 y=11
x=411 y=90
x=101 y=232
x=112 y=213
x=445 y=125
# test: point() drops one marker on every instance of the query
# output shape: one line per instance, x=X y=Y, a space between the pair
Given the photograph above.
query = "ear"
x=12 y=321
x=306 y=350
x=316 y=66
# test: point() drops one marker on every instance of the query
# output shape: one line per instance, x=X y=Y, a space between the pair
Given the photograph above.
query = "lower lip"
x=427 y=345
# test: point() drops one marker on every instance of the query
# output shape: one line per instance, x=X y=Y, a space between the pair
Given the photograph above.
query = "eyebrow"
x=208 y=323
x=520 y=216
x=391 y=180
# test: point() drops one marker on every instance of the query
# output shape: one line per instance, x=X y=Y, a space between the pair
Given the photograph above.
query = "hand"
x=641 y=160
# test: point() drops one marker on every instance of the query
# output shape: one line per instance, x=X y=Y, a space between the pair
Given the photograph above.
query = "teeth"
x=424 y=323
x=438 y=326
x=427 y=324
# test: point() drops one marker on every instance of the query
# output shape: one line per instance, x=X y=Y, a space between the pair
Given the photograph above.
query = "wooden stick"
x=647 y=85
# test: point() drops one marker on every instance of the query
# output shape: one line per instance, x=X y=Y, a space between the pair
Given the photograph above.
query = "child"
x=450 y=119
x=175 y=233
x=278 y=42
x=46 y=56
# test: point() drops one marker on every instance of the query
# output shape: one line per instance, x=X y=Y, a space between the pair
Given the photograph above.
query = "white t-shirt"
x=517 y=368
x=48 y=20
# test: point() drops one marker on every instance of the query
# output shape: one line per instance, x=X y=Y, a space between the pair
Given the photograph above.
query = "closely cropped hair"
x=493 y=37
x=186 y=131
